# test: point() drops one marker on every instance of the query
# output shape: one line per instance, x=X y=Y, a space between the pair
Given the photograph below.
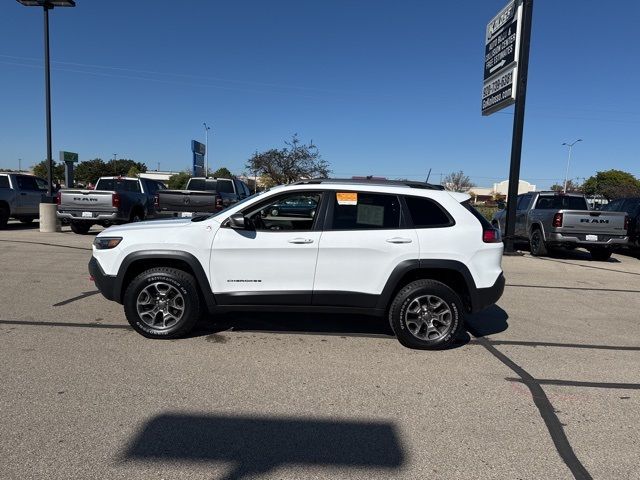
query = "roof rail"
x=370 y=181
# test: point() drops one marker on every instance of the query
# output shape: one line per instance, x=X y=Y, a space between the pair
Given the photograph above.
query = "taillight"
x=115 y=200
x=491 y=235
x=627 y=220
x=557 y=220
x=58 y=198
x=219 y=202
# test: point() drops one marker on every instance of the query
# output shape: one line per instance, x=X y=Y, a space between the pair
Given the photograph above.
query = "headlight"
x=106 y=243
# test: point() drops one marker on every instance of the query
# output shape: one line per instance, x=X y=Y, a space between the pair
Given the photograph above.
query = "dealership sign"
x=502 y=43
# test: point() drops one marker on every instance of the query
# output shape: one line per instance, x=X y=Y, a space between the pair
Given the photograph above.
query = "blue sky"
x=387 y=88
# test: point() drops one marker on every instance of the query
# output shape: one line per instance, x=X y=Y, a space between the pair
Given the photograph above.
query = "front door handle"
x=399 y=240
x=301 y=240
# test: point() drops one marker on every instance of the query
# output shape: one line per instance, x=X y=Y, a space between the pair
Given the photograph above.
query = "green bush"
x=486 y=210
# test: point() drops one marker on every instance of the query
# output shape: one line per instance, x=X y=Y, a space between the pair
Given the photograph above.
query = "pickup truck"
x=631 y=206
x=202 y=195
x=550 y=219
x=115 y=200
x=20 y=197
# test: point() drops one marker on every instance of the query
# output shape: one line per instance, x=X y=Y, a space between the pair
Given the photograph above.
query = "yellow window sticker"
x=347 y=198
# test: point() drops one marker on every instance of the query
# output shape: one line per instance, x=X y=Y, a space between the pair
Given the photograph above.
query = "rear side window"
x=225 y=186
x=365 y=211
x=426 y=213
x=4 y=181
x=483 y=221
x=27 y=183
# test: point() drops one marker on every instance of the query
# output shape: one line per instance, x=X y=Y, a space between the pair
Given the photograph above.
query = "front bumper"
x=106 y=284
x=611 y=241
x=485 y=297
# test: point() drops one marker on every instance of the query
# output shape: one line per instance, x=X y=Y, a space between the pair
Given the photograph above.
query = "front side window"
x=364 y=211
x=293 y=211
x=426 y=213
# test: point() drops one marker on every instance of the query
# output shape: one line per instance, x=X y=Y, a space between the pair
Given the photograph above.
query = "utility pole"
x=566 y=175
x=518 y=127
x=206 y=149
x=19 y=165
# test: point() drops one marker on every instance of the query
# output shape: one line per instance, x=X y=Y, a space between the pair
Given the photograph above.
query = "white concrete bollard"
x=49 y=222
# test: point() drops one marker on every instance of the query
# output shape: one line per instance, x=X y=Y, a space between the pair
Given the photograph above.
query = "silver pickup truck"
x=115 y=200
x=550 y=219
x=20 y=197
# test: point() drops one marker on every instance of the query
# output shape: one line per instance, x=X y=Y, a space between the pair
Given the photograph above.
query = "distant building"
x=499 y=190
x=156 y=175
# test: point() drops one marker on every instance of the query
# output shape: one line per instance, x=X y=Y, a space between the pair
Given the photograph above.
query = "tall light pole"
x=48 y=5
x=206 y=149
x=566 y=175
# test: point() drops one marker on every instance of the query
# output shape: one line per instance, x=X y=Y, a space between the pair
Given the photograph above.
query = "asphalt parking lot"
x=545 y=384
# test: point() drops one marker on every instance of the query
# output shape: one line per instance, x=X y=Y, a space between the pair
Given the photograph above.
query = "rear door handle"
x=301 y=240
x=399 y=240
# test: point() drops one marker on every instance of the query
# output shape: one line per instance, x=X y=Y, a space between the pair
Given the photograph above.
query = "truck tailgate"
x=595 y=222
x=186 y=201
x=89 y=200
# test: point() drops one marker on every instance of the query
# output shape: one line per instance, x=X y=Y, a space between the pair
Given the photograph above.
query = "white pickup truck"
x=551 y=219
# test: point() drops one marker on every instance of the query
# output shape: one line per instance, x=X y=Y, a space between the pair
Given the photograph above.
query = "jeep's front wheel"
x=426 y=315
x=162 y=303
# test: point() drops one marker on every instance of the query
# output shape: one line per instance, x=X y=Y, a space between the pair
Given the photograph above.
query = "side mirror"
x=237 y=221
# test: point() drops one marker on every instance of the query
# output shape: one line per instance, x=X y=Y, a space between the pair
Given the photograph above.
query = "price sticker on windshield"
x=347 y=198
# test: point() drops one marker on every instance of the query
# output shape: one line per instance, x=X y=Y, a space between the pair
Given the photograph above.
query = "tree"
x=222 y=172
x=571 y=187
x=133 y=172
x=179 y=180
x=458 y=182
x=296 y=161
x=612 y=184
x=90 y=170
x=41 y=170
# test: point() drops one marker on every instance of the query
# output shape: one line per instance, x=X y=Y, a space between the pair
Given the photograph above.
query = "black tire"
x=178 y=281
x=4 y=217
x=81 y=228
x=136 y=216
x=412 y=330
x=537 y=244
x=600 y=254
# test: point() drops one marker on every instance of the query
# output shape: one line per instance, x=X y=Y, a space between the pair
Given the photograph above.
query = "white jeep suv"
x=409 y=250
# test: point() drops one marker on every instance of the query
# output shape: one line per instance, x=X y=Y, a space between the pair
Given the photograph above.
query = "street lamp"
x=46 y=6
x=566 y=176
x=206 y=149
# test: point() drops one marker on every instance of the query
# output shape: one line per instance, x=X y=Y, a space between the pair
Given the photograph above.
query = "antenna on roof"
x=428 y=175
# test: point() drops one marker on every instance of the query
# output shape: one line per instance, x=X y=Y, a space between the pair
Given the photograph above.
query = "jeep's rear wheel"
x=162 y=303
x=426 y=314
x=537 y=243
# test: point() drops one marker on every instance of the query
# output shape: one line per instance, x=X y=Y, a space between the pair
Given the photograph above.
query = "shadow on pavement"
x=488 y=322
x=260 y=444
x=296 y=323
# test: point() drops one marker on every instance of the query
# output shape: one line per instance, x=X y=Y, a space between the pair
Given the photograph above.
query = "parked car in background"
x=294 y=207
x=202 y=195
x=20 y=197
x=550 y=219
x=114 y=200
x=631 y=206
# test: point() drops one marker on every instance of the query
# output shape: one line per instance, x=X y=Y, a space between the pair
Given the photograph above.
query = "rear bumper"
x=611 y=241
x=97 y=217
x=485 y=297
x=106 y=284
